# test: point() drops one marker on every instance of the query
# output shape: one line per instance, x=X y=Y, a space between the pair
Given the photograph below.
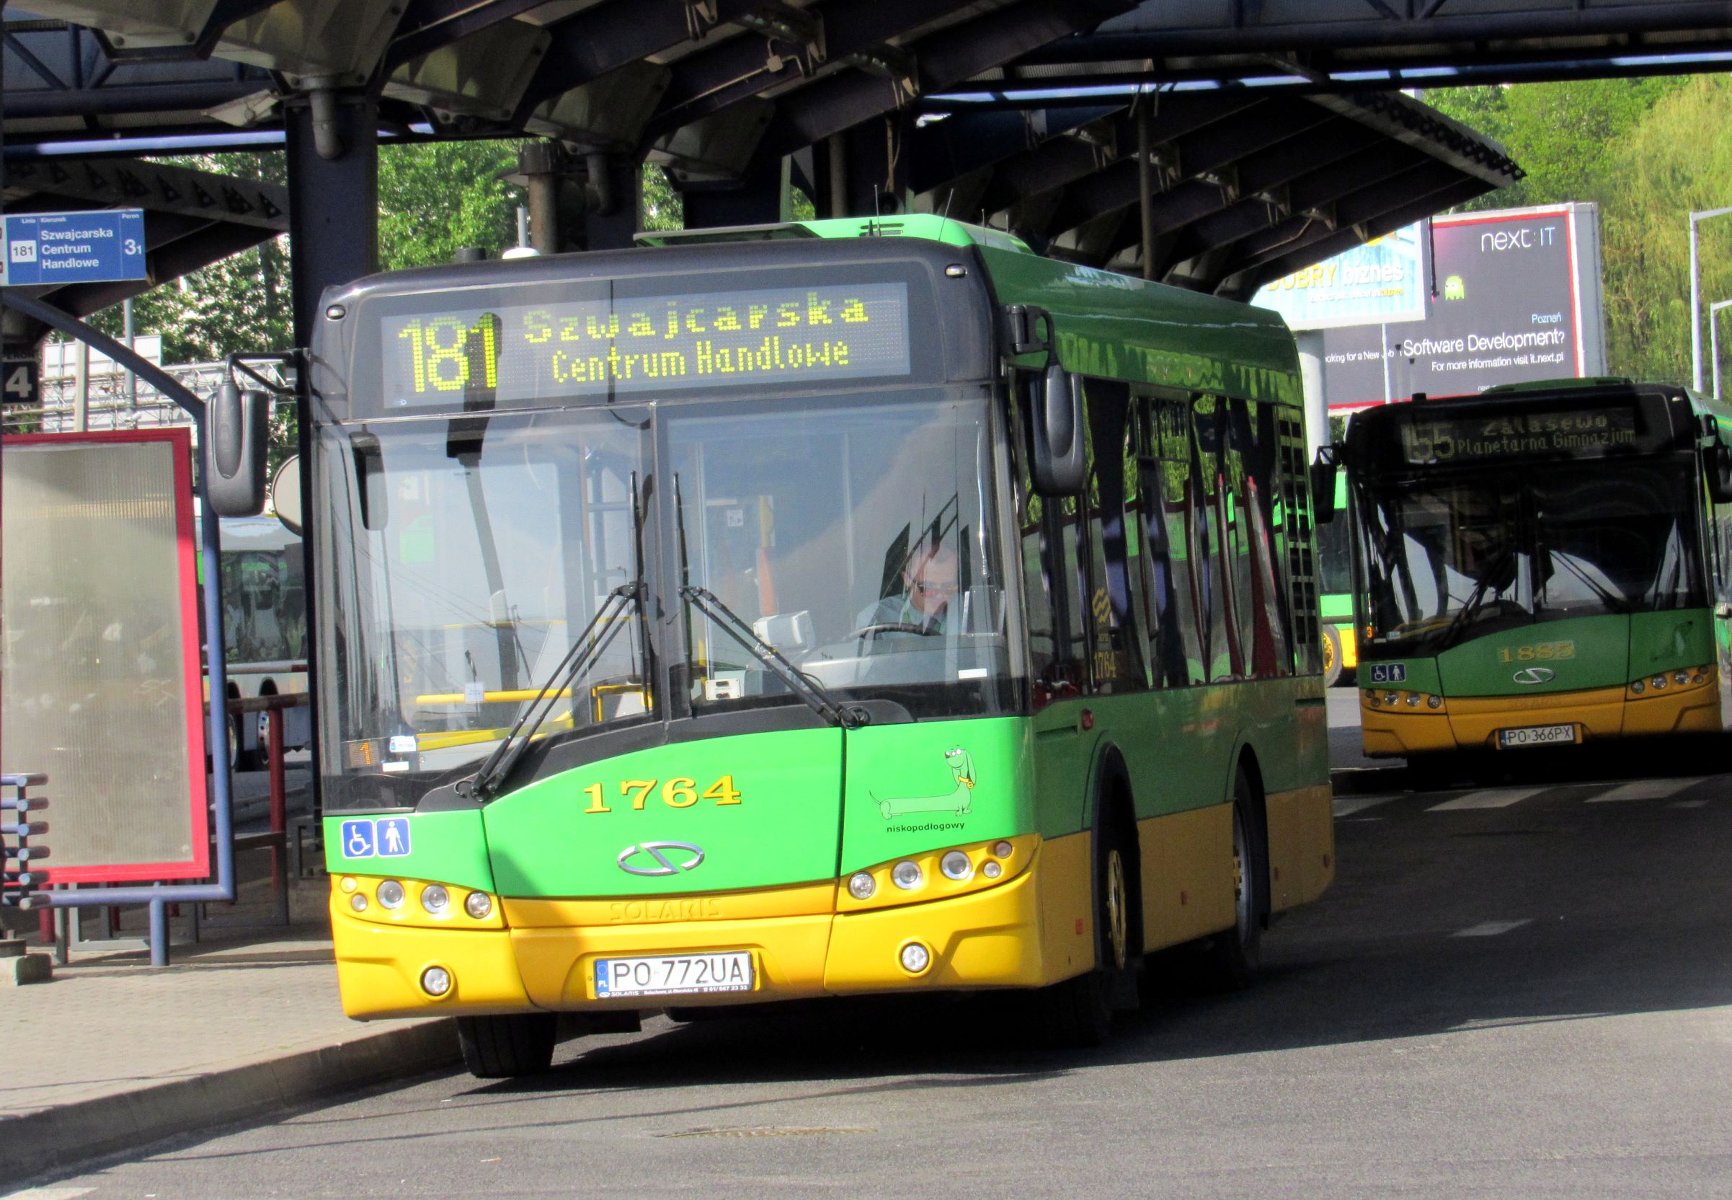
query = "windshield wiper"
x=585 y=651
x=1611 y=599
x=1476 y=599
x=803 y=686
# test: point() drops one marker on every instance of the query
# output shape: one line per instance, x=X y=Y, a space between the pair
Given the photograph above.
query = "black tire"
x=1079 y=1011
x=508 y=1047
x=1233 y=956
x=240 y=758
x=1331 y=656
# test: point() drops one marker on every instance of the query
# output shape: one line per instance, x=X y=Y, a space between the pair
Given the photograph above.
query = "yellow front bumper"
x=544 y=957
x=1600 y=713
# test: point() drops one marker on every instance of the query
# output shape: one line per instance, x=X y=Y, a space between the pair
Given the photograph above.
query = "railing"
x=277 y=839
x=22 y=886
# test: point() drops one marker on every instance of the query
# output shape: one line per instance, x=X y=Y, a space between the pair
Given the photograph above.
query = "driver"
x=929 y=583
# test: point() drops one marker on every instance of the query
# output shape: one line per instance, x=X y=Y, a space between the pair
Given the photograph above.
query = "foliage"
x=1648 y=152
x=1562 y=134
x=436 y=198
x=1678 y=161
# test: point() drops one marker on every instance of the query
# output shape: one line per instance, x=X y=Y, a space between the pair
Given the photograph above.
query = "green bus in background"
x=861 y=606
x=1335 y=590
x=1543 y=565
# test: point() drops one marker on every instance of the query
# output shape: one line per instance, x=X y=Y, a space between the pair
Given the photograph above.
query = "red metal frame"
x=197 y=866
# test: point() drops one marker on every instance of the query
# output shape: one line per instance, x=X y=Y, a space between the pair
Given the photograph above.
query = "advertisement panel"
x=1513 y=296
x=1383 y=280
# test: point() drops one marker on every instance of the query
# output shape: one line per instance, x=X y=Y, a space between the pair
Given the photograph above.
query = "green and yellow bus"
x=1538 y=566
x=1335 y=590
x=841 y=608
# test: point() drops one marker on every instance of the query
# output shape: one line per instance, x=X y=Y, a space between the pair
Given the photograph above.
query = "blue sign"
x=358 y=839
x=74 y=247
x=379 y=837
x=1389 y=673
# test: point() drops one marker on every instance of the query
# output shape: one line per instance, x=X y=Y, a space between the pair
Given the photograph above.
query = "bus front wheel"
x=507 y=1047
x=1079 y=1011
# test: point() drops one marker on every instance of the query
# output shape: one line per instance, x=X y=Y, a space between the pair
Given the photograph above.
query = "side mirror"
x=1323 y=486
x=1059 y=459
x=286 y=494
x=236 y=432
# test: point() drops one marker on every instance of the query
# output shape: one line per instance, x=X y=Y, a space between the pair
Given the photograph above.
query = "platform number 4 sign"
x=20 y=381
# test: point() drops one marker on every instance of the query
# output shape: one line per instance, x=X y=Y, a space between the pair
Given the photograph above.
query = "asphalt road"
x=1518 y=990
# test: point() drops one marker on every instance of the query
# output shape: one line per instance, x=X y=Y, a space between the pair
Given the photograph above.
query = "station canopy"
x=1266 y=136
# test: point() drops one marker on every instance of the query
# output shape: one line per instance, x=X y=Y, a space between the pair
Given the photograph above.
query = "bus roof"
x=1108 y=325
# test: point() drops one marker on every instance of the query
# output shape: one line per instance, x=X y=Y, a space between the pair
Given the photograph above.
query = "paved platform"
x=112 y=1054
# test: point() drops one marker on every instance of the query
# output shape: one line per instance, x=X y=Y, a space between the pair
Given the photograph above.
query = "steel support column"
x=613 y=208
x=333 y=204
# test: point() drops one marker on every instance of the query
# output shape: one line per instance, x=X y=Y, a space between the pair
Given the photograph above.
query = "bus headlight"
x=861 y=885
x=956 y=865
x=906 y=875
x=391 y=894
x=436 y=982
x=478 y=905
x=435 y=899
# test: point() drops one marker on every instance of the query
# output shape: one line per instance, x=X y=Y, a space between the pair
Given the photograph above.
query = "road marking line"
x=1491 y=928
x=1688 y=804
x=1346 y=806
x=1490 y=798
x=1646 y=789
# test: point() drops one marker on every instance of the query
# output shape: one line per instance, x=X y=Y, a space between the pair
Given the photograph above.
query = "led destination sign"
x=794 y=334
x=1581 y=432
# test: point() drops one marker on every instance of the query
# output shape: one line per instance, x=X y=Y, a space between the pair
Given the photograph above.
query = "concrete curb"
x=1359 y=780
x=64 y=1137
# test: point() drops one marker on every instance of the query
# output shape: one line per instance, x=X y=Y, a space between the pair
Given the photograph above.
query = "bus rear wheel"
x=509 y=1046
x=1233 y=956
x=1331 y=656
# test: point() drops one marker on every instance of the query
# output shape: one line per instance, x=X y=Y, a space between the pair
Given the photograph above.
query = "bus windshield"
x=856 y=544
x=1469 y=553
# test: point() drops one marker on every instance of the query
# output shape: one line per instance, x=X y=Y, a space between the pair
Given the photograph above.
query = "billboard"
x=1512 y=296
x=1383 y=280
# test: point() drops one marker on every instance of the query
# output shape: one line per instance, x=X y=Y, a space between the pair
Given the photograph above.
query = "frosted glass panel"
x=97 y=665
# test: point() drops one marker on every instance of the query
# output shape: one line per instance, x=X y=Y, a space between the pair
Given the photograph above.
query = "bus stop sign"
x=74 y=247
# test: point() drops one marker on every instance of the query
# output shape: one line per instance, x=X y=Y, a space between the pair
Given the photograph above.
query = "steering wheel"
x=866 y=631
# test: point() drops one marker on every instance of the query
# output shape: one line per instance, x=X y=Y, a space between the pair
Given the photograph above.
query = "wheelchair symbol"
x=358 y=839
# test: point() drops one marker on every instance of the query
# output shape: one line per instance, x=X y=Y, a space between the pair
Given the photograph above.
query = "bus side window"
x=1054 y=581
x=1118 y=649
x=1165 y=534
x=1209 y=519
x=1259 y=601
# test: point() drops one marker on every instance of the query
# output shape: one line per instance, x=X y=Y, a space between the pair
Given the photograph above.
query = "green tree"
x=1677 y=160
x=1562 y=134
x=436 y=198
